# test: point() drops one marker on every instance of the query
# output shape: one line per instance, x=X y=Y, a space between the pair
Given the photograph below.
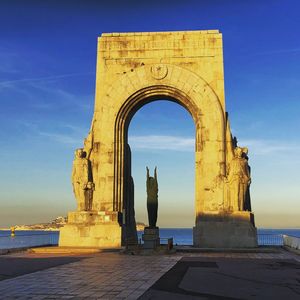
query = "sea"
x=181 y=236
x=27 y=238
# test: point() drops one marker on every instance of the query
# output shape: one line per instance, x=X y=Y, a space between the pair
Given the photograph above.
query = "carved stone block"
x=151 y=238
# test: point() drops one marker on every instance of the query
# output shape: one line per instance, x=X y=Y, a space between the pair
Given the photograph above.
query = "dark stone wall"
x=129 y=233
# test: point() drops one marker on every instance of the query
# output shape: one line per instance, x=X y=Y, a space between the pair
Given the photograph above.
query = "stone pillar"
x=129 y=233
x=230 y=224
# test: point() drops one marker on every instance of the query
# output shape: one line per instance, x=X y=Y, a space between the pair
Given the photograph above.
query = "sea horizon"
x=47 y=229
x=181 y=236
x=258 y=228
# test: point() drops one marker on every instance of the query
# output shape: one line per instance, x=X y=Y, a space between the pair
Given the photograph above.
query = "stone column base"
x=151 y=238
x=219 y=230
x=91 y=229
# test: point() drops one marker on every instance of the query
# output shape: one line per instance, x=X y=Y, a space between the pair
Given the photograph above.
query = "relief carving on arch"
x=84 y=173
x=238 y=175
x=83 y=185
x=159 y=71
x=237 y=182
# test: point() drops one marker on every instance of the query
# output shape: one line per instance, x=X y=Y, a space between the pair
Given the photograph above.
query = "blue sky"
x=47 y=82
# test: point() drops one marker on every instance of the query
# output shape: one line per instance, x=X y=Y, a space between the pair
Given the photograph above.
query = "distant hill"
x=56 y=224
x=51 y=226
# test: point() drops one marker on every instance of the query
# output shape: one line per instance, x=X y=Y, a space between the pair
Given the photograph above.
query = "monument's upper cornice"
x=192 y=32
x=141 y=45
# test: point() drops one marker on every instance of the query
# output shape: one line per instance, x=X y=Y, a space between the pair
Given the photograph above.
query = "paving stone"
x=107 y=276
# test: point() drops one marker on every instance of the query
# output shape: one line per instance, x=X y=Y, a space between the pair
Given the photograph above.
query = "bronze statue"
x=152 y=198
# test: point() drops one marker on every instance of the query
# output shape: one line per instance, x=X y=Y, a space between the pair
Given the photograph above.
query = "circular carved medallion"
x=159 y=71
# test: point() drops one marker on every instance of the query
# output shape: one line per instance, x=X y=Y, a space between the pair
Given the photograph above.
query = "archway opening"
x=162 y=133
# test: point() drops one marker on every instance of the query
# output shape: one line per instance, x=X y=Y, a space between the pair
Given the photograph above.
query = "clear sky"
x=47 y=82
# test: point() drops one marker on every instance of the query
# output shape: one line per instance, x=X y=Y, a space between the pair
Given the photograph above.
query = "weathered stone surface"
x=151 y=238
x=81 y=181
x=87 y=229
x=186 y=67
x=234 y=230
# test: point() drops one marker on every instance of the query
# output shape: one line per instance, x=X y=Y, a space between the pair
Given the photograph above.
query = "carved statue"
x=152 y=198
x=247 y=205
x=238 y=180
x=88 y=195
x=82 y=185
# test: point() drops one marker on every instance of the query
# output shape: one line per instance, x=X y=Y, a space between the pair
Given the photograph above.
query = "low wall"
x=291 y=241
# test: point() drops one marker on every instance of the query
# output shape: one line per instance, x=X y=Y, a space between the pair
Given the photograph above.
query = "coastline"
x=30 y=229
x=138 y=228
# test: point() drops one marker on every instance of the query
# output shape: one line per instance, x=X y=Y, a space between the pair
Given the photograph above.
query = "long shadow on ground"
x=16 y=266
x=228 y=278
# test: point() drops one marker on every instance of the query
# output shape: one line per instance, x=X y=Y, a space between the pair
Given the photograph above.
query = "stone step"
x=70 y=250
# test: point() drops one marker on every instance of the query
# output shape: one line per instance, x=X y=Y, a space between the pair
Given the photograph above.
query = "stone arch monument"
x=134 y=69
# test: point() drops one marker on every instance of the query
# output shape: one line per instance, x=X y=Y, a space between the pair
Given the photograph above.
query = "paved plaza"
x=178 y=276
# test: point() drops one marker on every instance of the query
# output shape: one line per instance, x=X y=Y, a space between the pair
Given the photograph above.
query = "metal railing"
x=269 y=239
x=51 y=238
x=263 y=239
x=29 y=240
x=168 y=242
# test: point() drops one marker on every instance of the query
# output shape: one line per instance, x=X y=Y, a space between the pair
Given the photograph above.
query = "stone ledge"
x=114 y=34
x=71 y=250
x=236 y=216
x=92 y=217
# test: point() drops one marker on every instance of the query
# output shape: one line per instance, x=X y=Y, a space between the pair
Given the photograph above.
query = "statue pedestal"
x=98 y=229
x=151 y=238
x=225 y=230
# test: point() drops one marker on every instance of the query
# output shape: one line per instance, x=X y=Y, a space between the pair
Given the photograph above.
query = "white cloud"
x=43 y=78
x=162 y=142
x=177 y=143
x=279 y=51
x=267 y=147
x=62 y=138
x=62 y=133
x=273 y=52
x=43 y=96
